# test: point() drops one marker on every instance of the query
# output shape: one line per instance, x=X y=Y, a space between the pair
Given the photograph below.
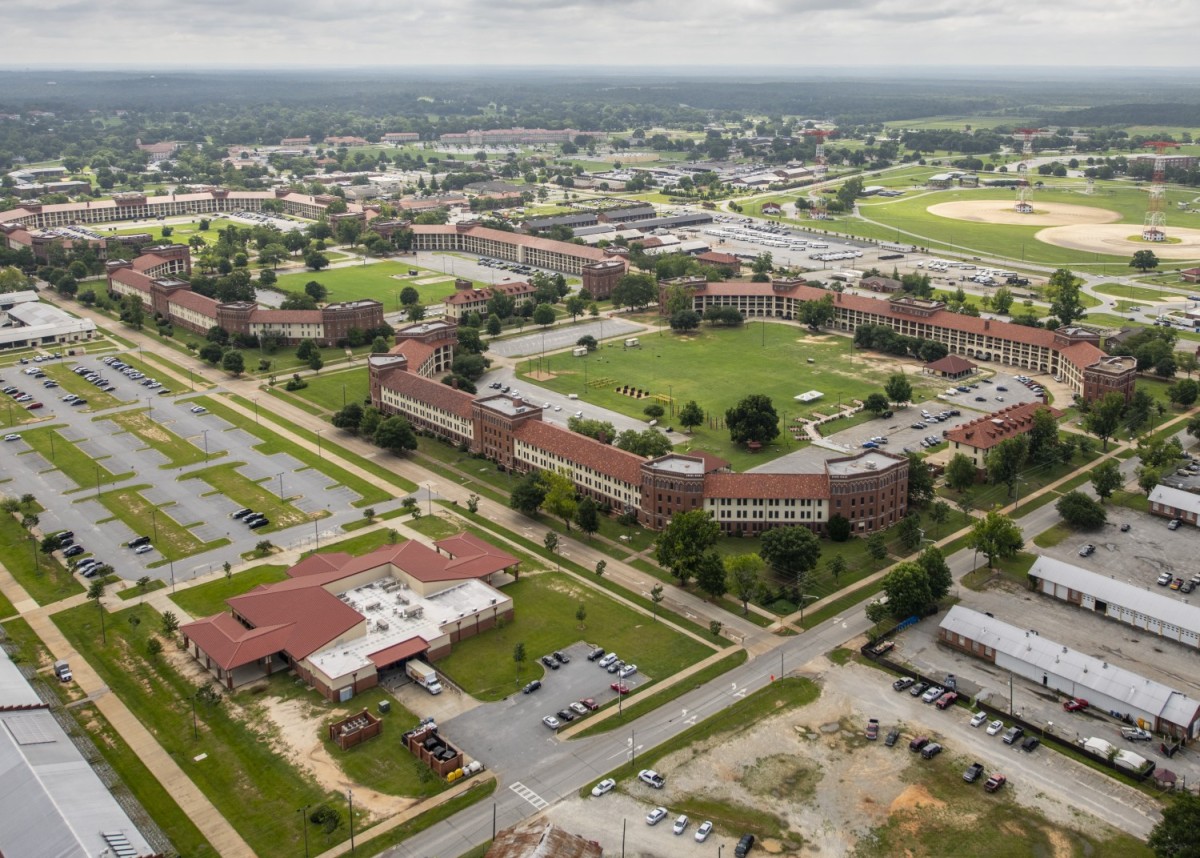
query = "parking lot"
x=191 y=503
x=504 y=732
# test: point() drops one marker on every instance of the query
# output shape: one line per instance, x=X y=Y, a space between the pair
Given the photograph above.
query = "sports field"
x=382 y=281
x=771 y=359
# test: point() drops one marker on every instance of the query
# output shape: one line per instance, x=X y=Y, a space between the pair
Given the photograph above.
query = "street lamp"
x=350 y=799
x=204 y=432
x=97 y=482
x=33 y=547
x=280 y=475
x=195 y=728
x=319 y=431
x=154 y=522
x=303 y=811
x=256 y=411
x=429 y=497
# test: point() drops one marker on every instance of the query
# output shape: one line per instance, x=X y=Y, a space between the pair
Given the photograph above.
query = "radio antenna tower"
x=1153 y=228
x=820 y=134
x=1025 y=192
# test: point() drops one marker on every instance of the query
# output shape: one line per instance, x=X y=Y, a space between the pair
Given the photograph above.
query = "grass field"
x=382 y=281
x=544 y=621
x=333 y=391
x=249 y=782
x=42 y=576
x=696 y=367
x=1142 y=293
x=204 y=600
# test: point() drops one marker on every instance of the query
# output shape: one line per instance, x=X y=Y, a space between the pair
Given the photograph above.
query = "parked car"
x=995 y=727
x=918 y=743
x=892 y=736
x=947 y=700
x=918 y=689
x=744 y=845
x=1125 y=528
x=143 y=549
x=627 y=670
x=551 y=722
x=561 y=657
x=873 y=729
x=1087 y=550
x=652 y=778
x=1165 y=578
x=1031 y=743
x=605 y=786
x=681 y=824
x=931 y=750
x=995 y=782
x=656 y=816
x=1136 y=734
x=978 y=718
x=1075 y=704
x=589 y=703
x=73 y=551
x=607 y=660
x=596 y=654
x=1013 y=734
x=933 y=693
x=619 y=687
x=532 y=687
x=11 y=437
x=257 y=523
x=579 y=708
x=565 y=715
x=1173 y=524
x=903 y=683
x=549 y=662
x=703 y=831
x=973 y=772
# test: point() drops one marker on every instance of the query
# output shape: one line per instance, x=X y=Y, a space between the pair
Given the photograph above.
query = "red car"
x=995 y=782
x=620 y=687
x=1075 y=704
x=33 y=406
x=590 y=703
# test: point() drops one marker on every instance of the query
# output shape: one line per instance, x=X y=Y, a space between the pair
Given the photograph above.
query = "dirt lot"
x=825 y=790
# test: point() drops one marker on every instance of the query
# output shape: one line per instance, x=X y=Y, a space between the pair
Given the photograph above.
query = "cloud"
x=605 y=33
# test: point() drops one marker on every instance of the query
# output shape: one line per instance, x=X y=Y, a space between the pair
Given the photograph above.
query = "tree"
x=550 y=540
x=684 y=321
x=876 y=403
x=1005 y=460
x=560 y=496
x=907 y=589
x=995 y=536
x=306 y=350
x=939 y=514
x=877 y=546
x=920 y=480
x=654 y=411
x=1043 y=438
x=1184 y=393
x=154 y=648
x=1104 y=418
x=635 y=291
x=710 y=575
x=1143 y=260
x=910 y=531
x=934 y=563
x=518 y=658
x=745 y=573
x=170 y=623
x=395 y=435
x=581 y=615
x=1177 y=834
x=233 y=362
x=316 y=260
x=838 y=528
x=211 y=353
x=1002 y=300
x=960 y=472
x=690 y=416
x=753 y=420
x=656 y=596
x=1081 y=512
x=898 y=388
x=587 y=516
x=543 y=314
x=683 y=542
x=792 y=551
x=1063 y=291
x=1106 y=479
x=528 y=494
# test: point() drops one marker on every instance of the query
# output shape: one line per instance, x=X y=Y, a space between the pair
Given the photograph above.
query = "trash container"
x=385 y=706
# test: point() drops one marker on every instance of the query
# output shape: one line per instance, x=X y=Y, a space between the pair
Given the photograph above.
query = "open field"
x=545 y=621
x=382 y=281
x=696 y=367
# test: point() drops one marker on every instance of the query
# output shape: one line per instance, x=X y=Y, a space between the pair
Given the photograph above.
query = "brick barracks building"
x=1072 y=353
x=871 y=490
x=154 y=277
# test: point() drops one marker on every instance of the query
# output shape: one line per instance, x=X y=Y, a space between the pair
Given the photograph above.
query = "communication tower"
x=1153 y=228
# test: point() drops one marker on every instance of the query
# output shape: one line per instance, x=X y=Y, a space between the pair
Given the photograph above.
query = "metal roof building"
x=52 y=803
x=1041 y=660
x=1132 y=604
x=1174 y=503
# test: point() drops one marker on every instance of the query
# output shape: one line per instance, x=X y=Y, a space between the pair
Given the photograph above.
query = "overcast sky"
x=803 y=34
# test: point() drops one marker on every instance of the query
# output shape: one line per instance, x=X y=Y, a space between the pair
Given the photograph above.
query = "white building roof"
x=1085 y=671
x=1176 y=499
x=1143 y=599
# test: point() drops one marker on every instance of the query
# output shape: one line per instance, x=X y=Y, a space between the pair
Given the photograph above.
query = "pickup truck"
x=1136 y=734
x=873 y=729
x=973 y=772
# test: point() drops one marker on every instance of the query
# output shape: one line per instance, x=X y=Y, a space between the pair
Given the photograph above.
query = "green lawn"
x=97 y=399
x=131 y=593
x=544 y=620
x=382 y=281
x=386 y=485
x=333 y=391
x=262 y=496
x=172 y=539
x=207 y=599
x=251 y=784
x=695 y=367
x=79 y=467
x=1143 y=293
x=42 y=576
x=153 y=434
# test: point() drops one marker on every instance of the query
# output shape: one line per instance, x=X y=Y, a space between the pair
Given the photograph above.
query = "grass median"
x=177 y=451
x=42 y=576
x=75 y=464
x=172 y=539
x=227 y=481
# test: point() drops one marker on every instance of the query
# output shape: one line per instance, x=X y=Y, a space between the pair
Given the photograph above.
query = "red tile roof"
x=1082 y=354
x=951 y=365
x=396 y=652
x=131 y=278
x=585 y=451
x=758 y=485
x=425 y=564
x=714 y=258
x=457 y=402
x=986 y=432
x=313 y=616
x=513 y=290
x=547 y=244
x=230 y=644
x=469 y=552
x=416 y=351
x=193 y=301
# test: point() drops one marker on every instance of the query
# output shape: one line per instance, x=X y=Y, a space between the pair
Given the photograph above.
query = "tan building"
x=979 y=437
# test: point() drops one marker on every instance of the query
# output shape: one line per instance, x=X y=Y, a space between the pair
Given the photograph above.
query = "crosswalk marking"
x=529 y=795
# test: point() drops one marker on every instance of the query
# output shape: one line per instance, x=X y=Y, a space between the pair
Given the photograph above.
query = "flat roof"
x=872 y=460
x=398 y=614
x=678 y=464
x=507 y=404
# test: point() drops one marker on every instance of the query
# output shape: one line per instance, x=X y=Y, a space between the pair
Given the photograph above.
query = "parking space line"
x=529 y=795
